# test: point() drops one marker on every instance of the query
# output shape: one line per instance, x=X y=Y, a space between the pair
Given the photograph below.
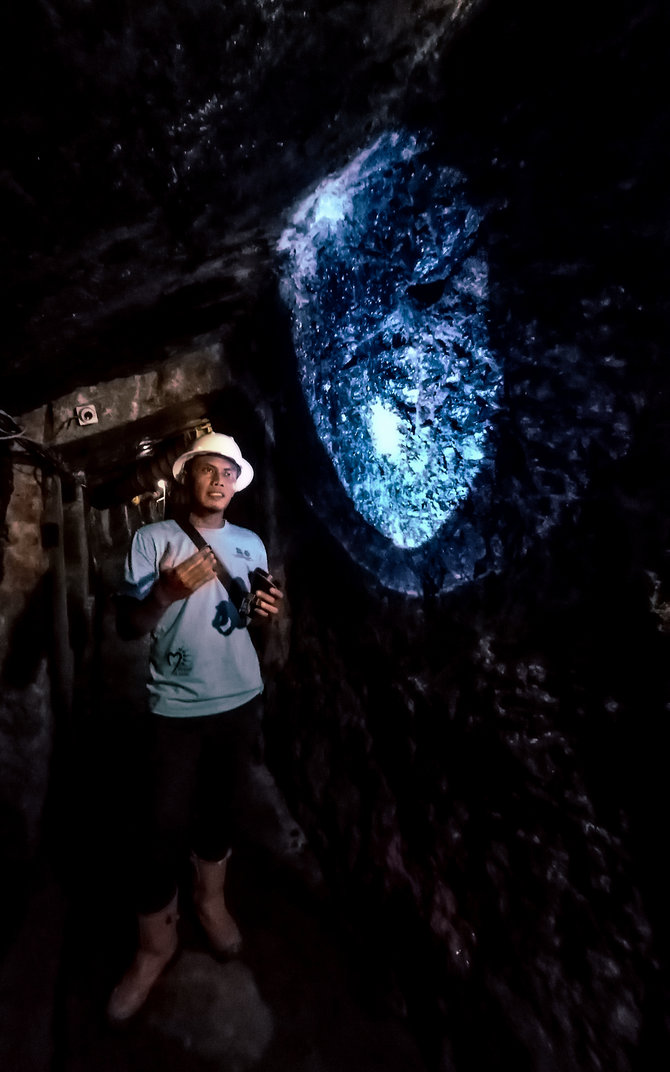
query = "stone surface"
x=212 y=1011
x=151 y=153
x=25 y=701
x=290 y=1003
x=387 y=283
x=124 y=400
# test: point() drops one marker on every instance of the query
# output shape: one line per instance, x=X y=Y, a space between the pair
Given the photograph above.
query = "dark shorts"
x=197 y=781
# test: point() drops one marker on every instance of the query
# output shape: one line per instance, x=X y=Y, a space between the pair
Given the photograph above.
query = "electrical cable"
x=16 y=433
x=31 y=449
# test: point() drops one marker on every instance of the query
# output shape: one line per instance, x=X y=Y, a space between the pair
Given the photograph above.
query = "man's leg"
x=167 y=793
x=172 y=771
x=233 y=742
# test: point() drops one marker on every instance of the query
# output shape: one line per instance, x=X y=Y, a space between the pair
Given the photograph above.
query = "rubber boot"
x=157 y=946
x=209 y=901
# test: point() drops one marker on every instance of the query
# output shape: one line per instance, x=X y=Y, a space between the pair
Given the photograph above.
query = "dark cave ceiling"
x=153 y=149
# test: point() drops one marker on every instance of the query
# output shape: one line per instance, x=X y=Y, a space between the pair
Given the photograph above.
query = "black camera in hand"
x=260 y=581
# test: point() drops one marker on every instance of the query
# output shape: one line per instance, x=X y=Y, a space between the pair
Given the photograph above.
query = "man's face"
x=211 y=481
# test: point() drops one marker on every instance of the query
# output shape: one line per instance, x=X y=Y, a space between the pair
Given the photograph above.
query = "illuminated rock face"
x=385 y=275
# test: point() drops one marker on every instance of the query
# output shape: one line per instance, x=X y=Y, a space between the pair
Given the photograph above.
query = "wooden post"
x=62 y=668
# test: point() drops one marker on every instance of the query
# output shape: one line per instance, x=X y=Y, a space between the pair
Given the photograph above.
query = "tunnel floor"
x=292 y=1001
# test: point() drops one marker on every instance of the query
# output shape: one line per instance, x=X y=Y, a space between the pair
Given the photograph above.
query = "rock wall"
x=481 y=769
x=26 y=715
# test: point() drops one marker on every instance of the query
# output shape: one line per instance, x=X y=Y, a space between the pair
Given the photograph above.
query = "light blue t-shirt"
x=202 y=659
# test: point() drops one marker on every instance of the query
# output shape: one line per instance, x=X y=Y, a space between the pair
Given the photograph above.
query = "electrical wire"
x=16 y=431
x=32 y=453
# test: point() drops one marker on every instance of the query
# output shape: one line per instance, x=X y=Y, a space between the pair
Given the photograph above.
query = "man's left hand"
x=264 y=604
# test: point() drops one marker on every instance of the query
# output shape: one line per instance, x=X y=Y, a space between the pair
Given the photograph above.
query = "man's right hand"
x=135 y=618
x=180 y=581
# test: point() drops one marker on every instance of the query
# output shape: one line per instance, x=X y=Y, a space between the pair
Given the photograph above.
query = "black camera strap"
x=242 y=599
x=200 y=542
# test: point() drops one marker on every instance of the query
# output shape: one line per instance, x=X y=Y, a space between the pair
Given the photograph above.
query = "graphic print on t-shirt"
x=202 y=658
x=226 y=618
x=180 y=662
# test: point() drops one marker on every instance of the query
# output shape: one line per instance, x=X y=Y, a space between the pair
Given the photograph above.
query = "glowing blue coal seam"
x=386 y=280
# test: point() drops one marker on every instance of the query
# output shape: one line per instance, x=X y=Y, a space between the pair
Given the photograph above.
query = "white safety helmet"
x=214 y=443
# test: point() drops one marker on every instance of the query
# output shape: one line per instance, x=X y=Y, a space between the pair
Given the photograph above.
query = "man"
x=204 y=700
